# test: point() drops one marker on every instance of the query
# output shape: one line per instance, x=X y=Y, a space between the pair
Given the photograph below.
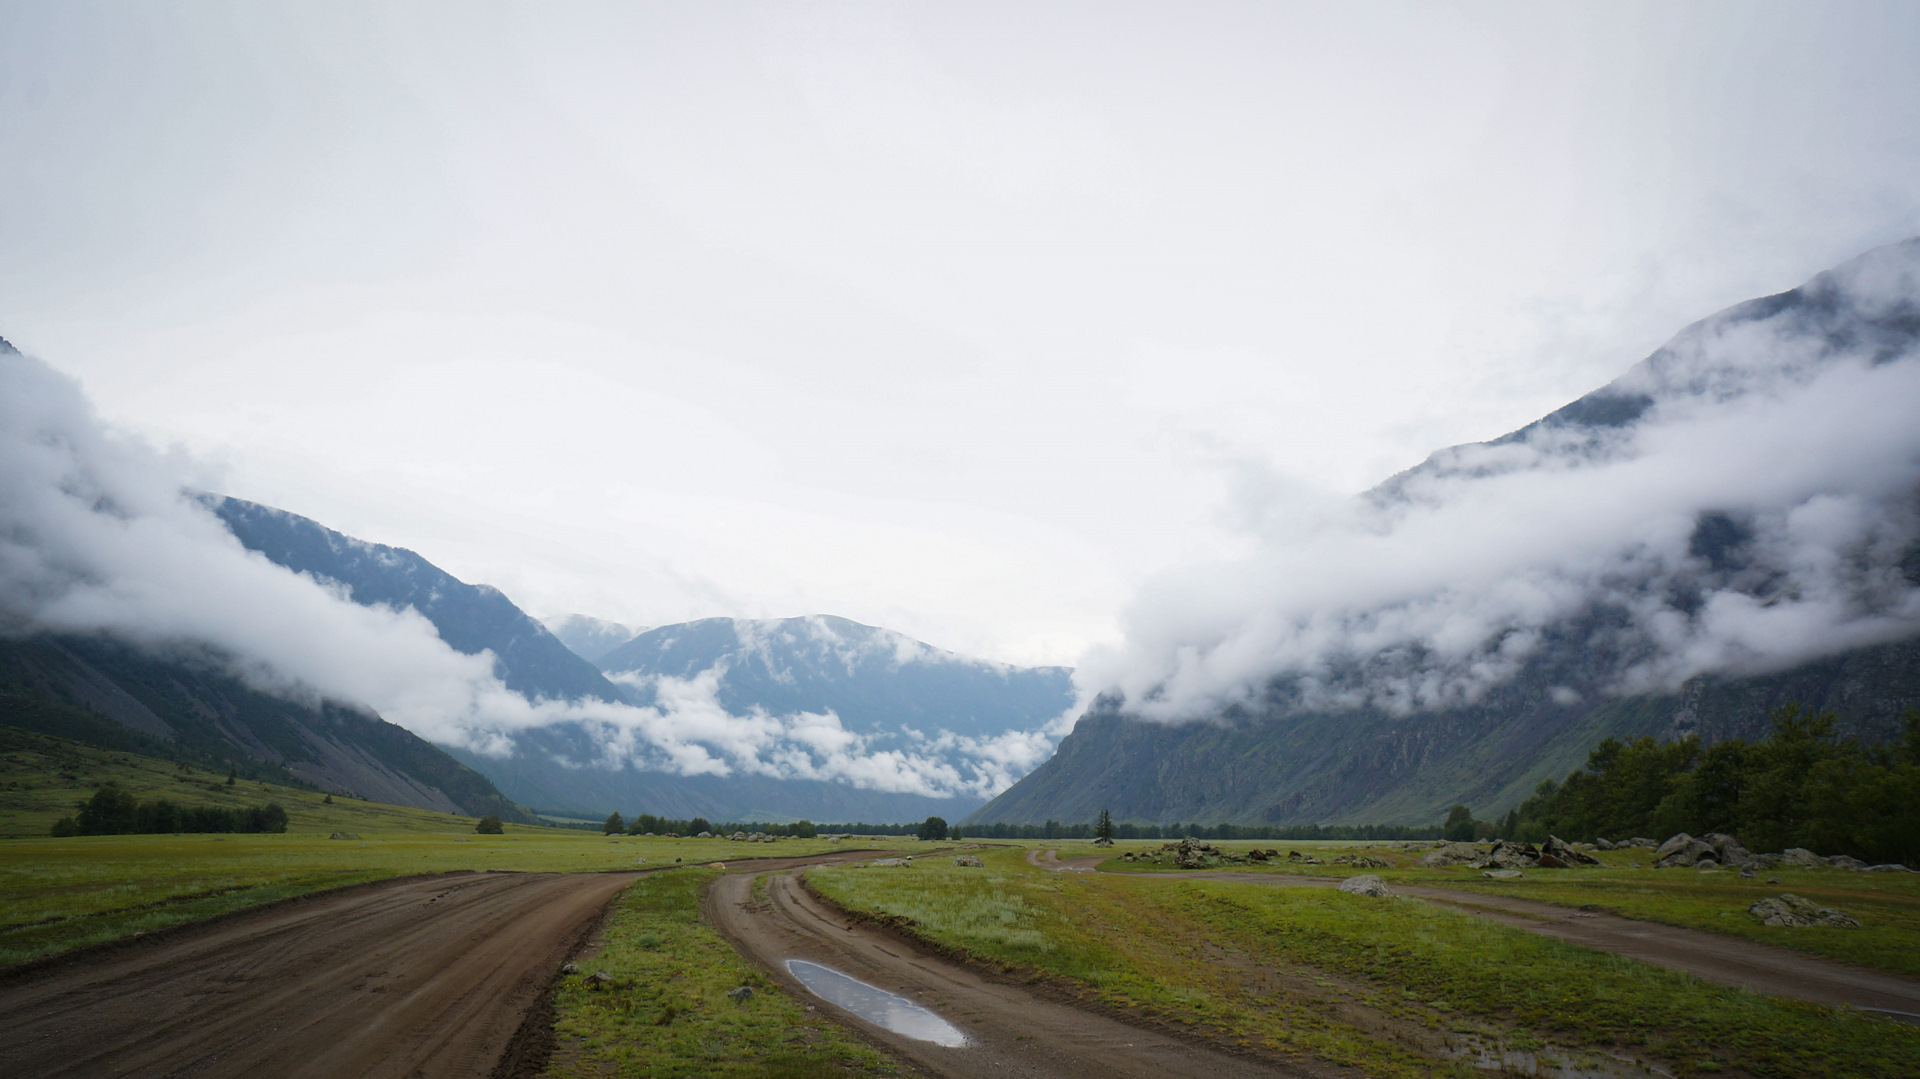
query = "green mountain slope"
x=110 y=695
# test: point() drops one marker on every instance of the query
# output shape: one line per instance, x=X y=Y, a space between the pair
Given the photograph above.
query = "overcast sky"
x=962 y=319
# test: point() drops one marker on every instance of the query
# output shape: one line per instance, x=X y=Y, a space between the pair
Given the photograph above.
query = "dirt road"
x=1762 y=968
x=1011 y=1029
x=424 y=978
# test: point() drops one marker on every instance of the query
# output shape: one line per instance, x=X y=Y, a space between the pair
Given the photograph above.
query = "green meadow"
x=59 y=894
x=1887 y=905
x=1394 y=987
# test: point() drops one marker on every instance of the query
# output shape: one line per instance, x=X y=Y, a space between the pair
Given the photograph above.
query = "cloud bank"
x=98 y=536
x=1742 y=501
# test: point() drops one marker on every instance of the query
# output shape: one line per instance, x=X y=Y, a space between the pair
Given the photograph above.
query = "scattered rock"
x=570 y=968
x=347 y=835
x=599 y=978
x=1681 y=850
x=1638 y=841
x=1773 y=880
x=1747 y=873
x=891 y=863
x=1565 y=853
x=1503 y=874
x=1361 y=861
x=716 y=865
x=1103 y=841
x=1368 y=885
x=1451 y=854
x=1603 y=844
x=1801 y=858
x=1846 y=861
x=1707 y=864
x=968 y=860
x=1791 y=910
x=704 y=835
x=1889 y=867
x=741 y=995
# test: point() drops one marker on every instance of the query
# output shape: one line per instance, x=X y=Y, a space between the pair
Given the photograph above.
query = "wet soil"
x=1013 y=1027
x=422 y=977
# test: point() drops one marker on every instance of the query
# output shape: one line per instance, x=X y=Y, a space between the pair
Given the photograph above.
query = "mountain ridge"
x=1275 y=758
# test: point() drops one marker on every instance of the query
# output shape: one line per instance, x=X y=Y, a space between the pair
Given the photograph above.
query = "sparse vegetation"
x=666 y=1013
x=1194 y=952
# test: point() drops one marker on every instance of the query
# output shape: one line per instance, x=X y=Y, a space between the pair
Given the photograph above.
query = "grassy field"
x=1395 y=986
x=666 y=1014
x=58 y=894
x=1887 y=905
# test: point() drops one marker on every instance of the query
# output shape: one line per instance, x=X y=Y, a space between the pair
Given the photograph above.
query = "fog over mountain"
x=1739 y=502
x=1732 y=525
x=590 y=637
x=99 y=536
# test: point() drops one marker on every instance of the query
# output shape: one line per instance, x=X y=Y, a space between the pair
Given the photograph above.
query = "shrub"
x=489 y=825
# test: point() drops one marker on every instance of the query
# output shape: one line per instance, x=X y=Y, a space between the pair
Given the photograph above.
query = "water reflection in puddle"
x=876 y=1006
x=1552 y=1065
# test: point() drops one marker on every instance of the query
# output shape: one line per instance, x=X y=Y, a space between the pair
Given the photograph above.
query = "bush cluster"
x=114 y=811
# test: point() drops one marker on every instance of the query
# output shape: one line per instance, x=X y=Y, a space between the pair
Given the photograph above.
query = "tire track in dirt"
x=1012 y=1029
x=1731 y=961
x=425 y=977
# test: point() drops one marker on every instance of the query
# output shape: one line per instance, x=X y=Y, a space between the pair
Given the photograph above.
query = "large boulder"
x=1681 y=850
x=1846 y=861
x=1368 y=885
x=1565 y=853
x=1801 y=858
x=1452 y=854
x=1791 y=910
x=968 y=860
x=1507 y=854
x=1729 y=851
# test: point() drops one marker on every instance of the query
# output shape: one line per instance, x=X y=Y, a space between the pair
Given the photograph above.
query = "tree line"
x=1301 y=833
x=1801 y=786
x=114 y=811
x=647 y=822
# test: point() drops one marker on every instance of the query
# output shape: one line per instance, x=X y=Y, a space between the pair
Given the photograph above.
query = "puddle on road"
x=1558 y=1064
x=876 y=1006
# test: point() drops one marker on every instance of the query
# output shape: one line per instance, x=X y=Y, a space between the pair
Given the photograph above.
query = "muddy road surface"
x=1011 y=1029
x=423 y=977
x=1744 y=964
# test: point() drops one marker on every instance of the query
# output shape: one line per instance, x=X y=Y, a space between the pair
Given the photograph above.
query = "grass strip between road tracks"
x=666 y=1013
x=1228 y=957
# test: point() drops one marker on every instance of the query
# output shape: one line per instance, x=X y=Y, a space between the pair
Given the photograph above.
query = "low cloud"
x=98 y=536
x=1755 y=509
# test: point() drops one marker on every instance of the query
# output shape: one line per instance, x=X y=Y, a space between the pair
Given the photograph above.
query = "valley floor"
x=1045 y=963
